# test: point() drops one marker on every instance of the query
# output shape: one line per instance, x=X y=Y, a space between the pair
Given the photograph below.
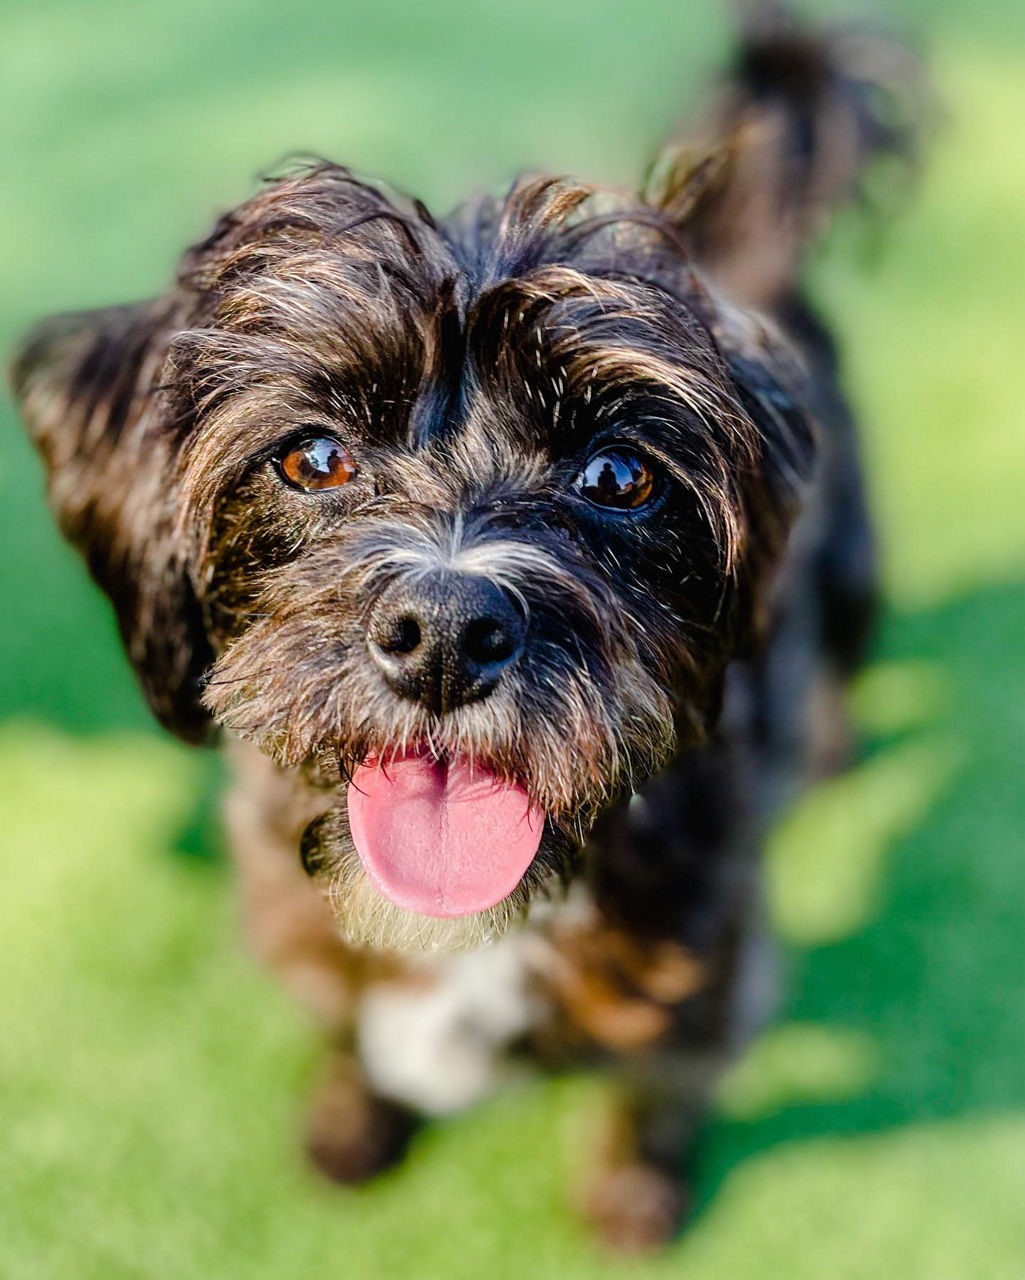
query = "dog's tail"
x=797 y=127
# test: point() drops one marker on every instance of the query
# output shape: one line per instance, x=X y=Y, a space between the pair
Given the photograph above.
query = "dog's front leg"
x=353 y=1133
x=640 y=1193
x=666 y=1019
x=681 y=980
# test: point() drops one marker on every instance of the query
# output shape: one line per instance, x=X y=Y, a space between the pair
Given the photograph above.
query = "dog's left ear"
x=88 y=387
x=772 y=389
x=688 y=190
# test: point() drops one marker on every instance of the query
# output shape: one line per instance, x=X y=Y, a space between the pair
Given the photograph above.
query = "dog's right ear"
x=88 y=387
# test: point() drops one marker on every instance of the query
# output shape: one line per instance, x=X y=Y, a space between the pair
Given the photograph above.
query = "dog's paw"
x=635 y=1208
x=354 y=1135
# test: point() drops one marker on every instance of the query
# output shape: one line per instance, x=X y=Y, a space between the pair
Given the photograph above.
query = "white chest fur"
x=436 y=1044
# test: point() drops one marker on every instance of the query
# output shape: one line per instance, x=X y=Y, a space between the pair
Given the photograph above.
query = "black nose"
x=445 y=639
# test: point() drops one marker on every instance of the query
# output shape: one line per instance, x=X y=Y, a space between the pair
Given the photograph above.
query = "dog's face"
x=463 y=521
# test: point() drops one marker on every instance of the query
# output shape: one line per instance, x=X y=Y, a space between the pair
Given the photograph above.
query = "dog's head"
x=463 y=520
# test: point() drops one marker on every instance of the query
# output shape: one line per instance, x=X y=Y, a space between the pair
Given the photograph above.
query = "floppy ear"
x=771 y=386
x=688 y=188
x=88 y=387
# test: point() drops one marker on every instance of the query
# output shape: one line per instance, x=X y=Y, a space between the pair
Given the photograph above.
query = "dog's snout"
x=446 y=639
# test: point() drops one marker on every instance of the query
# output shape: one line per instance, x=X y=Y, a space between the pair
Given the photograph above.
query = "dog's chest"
x=436 y=1039
x=566 y=983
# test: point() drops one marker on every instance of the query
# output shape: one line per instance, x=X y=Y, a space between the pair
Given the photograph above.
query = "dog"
x=515 y=559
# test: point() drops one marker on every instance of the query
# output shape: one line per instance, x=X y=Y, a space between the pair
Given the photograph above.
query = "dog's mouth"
x=442 y=836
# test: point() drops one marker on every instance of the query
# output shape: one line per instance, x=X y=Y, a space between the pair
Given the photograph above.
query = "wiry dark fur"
x=471 y=365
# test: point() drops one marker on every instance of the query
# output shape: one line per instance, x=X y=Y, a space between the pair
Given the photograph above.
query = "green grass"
x=151 y=1079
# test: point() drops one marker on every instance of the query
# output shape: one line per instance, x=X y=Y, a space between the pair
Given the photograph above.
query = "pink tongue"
x=440 y=839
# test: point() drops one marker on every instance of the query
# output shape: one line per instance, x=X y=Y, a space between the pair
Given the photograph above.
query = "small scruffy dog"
x=471 y=540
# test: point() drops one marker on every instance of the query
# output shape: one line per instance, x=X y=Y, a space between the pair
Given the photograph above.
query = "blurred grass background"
x=151 y=1080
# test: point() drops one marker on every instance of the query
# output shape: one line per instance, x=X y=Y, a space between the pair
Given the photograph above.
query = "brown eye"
x=618 y=478
x=318 y=463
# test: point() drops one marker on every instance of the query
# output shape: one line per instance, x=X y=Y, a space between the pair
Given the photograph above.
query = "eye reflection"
x=618 y=478
x=318 y=463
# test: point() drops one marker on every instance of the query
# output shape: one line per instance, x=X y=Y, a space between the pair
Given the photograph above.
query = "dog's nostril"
x=401 y=635
x=488 y=640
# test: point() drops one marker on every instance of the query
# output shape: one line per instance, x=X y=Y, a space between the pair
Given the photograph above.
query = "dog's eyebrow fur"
x=371 y=320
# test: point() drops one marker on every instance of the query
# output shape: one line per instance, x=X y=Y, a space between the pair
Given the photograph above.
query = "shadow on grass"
x=935 y=979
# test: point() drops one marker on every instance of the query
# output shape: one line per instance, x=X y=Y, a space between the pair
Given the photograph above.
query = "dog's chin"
x=367 y=918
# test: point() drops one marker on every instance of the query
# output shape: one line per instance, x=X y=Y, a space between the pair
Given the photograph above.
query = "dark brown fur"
x=471 y=365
